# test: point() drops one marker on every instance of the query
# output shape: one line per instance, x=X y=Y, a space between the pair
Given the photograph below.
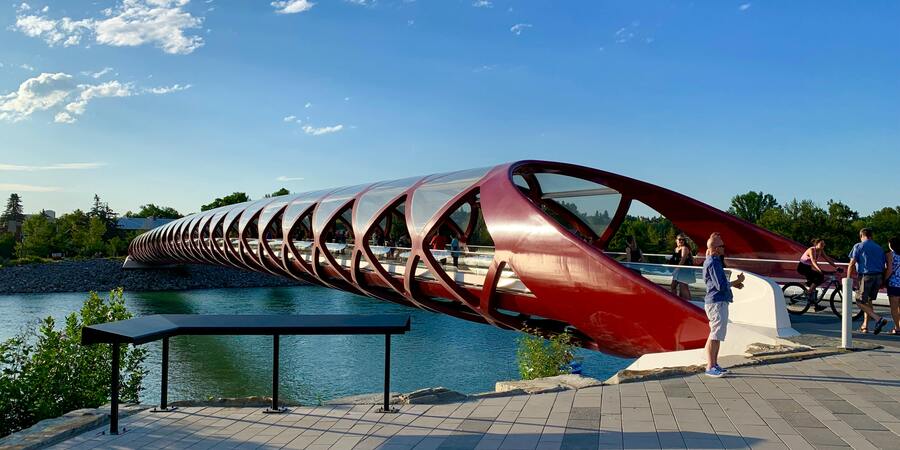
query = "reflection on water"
x=439 y=351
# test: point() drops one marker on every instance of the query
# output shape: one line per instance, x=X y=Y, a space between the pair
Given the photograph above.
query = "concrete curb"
x=53 y=431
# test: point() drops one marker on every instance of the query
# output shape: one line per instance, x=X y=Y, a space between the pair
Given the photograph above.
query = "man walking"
x=867 y=259
x=718 y=296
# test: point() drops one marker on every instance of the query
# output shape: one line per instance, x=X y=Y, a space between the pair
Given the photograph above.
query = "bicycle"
x=798 y=301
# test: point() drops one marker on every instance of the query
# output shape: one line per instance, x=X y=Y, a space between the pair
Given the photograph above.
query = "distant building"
x=16 y=227
x=141 y=223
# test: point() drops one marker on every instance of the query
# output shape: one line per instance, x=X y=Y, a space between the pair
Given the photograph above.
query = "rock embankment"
x=106 y=274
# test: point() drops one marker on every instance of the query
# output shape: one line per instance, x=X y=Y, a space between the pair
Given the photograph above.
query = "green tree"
x=278 y=193
x=92 y=242
x=71 y=230
x=540 y=357
x=13 y=211
x=102 y=211
x=37 y=236
x=885 y=223
x=752 y=205
x=46 y=372
x=235 y=197
x=7 y=245
x=159 y=212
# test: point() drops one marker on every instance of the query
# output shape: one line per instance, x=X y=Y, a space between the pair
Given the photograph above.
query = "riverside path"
x=850 y=400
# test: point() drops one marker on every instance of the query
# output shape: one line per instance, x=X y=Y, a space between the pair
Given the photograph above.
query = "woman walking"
x=893 y=282
x=682 y=277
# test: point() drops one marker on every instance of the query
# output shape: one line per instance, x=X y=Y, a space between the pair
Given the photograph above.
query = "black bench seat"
x=141 y=330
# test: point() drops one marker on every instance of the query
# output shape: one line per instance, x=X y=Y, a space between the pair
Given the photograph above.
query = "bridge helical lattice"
x=531 y=238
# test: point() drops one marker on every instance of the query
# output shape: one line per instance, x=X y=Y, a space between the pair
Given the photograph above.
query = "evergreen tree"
x=13 y=211
x=102 y=211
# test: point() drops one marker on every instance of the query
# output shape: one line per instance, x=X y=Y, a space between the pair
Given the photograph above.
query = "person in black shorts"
x=809 y=268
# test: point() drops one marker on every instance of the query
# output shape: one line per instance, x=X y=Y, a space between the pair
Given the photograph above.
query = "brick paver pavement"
x=845 y=401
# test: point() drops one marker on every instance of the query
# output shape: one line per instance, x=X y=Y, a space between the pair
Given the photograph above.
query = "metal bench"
x=142 y=330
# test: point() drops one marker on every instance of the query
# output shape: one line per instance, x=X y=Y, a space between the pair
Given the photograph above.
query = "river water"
x=439 y=351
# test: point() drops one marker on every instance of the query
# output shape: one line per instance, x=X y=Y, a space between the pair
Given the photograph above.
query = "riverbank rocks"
x=548 y=384
x=432 y=396
x=107 y=274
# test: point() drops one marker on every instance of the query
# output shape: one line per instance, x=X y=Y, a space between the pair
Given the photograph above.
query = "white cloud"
x=162 y=23
x=483 y=4
x=290 y=118
x=40 y=93
x=744 y=6
x=99 y=73
x=307 y=105
x=286 y=178
x=63 y=117
x=27 y=188
x=167 y=89
x=484 y=68
x=518 y=28
x=53 y=90
x=65 y=31
x=90 y=92
x=27 y=67
x=61 y=166
x=292 y=6
x=314 y=131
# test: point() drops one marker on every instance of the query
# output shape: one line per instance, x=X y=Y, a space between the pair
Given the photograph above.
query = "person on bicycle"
x=809 y=268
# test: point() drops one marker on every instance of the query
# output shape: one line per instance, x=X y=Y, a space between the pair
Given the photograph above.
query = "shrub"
x=46 y=372
x=540 y=357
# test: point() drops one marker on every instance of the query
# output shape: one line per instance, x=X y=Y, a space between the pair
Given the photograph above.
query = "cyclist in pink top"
x=809 y=267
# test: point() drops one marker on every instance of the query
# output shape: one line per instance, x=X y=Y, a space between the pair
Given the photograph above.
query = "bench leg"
x=164 y=381
x=114 y=391
x=275 y=409
x=386 y=407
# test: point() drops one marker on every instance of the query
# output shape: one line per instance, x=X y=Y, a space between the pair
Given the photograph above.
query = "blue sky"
x=176 y=102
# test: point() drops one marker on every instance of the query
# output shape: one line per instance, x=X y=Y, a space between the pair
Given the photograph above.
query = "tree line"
x=81 y=234
x=799 y=220
x=95 y=232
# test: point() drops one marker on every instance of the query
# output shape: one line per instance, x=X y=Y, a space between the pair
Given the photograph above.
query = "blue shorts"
x=894 y=291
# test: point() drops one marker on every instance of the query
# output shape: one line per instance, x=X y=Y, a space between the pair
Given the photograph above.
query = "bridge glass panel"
x=250 y=211
x=268 y=213
x=376 y=198
x=298 y=205
x=331 y=204
x=592 y=203
x=430 y=197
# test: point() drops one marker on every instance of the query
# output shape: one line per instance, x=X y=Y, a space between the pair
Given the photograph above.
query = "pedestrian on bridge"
x=718 y=296
x=868 y=260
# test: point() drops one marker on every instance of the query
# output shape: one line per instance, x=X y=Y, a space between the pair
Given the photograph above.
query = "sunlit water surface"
x=439 y=351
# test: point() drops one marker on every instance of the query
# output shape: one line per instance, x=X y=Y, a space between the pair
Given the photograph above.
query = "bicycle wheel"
x=796 y=298
x=836 y=300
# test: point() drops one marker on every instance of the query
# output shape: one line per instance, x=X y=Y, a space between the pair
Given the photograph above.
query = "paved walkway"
x=844 y=401
x=825 y=323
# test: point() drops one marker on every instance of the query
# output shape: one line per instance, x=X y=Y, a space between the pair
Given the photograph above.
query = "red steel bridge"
x=533 y=253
